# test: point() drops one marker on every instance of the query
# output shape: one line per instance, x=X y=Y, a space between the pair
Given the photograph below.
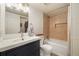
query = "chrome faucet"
x=22 y=36
x=21 y=31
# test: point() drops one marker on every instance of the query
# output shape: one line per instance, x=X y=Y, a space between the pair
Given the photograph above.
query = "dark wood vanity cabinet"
x=30 y=49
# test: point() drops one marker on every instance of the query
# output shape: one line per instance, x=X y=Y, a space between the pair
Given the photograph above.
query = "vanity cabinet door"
x=31 y=49
x=10 y=52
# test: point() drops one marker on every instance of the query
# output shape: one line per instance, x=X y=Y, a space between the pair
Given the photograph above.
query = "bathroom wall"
x=55 y=25
x=74 y=29
x=12 y=23
x=2 y=19
x=46 y=26
x=36 y=18
x=58 y=26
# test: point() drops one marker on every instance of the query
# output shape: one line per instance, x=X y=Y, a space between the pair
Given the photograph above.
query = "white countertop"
x=12 y=43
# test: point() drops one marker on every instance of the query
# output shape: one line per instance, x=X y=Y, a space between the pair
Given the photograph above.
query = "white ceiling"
x=48 y=7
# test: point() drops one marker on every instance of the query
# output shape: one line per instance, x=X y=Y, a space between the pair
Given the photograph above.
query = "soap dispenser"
x=31 y=30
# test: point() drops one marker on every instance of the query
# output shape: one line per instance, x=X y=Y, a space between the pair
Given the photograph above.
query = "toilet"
x=45 y=49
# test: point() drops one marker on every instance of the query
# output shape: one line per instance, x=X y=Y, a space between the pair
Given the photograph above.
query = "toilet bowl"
x=45 y=49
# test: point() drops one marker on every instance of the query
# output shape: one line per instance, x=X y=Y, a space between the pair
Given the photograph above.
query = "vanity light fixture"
x=22 y=7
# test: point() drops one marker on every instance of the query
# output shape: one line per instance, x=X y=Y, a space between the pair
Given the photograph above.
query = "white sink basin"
x=15 y=42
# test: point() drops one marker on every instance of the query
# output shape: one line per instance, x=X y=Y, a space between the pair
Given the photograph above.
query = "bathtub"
x=60 y=48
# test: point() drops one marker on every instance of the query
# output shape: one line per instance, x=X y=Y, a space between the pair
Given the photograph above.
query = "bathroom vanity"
x=28 y=47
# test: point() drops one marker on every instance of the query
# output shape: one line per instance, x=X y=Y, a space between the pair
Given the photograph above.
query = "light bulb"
x=26 y=9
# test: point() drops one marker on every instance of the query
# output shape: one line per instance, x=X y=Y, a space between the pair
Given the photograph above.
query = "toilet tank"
x=42 y=39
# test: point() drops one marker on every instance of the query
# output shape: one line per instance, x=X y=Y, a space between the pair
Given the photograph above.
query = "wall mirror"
x=16 y=18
